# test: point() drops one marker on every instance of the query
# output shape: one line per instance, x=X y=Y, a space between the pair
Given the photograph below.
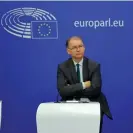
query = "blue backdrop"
x=28 y=66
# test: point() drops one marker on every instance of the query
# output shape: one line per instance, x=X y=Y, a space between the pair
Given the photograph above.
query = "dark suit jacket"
x=69 y=88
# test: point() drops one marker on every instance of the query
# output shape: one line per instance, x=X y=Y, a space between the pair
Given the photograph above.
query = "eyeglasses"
x=75 y=47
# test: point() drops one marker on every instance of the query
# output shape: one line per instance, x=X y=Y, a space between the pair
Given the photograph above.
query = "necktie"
x=78 y=73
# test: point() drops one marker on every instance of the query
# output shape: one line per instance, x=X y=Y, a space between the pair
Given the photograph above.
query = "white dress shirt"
x=81 y=78
x=81 y=71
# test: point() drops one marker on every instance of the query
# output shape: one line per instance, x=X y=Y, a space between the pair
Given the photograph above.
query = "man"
x=80 y=77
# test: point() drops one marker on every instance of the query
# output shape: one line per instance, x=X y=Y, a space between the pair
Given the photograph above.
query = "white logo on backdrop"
x=30 y=23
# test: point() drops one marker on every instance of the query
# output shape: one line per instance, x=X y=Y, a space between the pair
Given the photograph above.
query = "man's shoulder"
x=92 y=64
x=91 y=61
x=65 y=63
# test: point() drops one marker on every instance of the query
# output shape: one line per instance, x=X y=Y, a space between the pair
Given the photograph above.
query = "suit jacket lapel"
x=85 y=70
x=73 y=71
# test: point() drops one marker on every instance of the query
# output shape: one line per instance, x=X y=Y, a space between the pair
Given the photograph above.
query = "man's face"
x=76 y=48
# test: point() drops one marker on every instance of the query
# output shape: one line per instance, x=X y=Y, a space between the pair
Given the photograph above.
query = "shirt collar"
x=80 y=63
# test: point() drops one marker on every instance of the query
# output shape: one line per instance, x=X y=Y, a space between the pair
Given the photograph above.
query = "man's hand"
x=87 y=84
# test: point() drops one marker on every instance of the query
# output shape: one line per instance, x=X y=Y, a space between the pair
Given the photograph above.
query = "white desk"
x=68 y=118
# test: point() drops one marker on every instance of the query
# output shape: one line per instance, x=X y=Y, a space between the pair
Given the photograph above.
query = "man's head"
x=75 y=47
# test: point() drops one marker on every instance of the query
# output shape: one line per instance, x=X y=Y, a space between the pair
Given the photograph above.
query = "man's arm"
x=96 y=83
x=66 y=89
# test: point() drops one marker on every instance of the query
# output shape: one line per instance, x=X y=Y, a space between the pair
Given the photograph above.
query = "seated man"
x=80 y=77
